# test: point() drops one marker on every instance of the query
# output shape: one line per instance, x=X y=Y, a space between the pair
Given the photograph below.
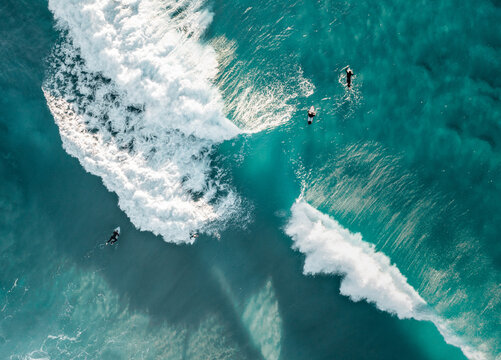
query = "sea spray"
x=367 y=274
x=129 y=86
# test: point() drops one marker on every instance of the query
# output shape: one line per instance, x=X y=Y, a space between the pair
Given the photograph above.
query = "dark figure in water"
x=311 y=115
x=349 y=74
x=114 y=237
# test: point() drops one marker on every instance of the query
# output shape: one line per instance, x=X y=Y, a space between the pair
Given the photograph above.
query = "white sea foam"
x=149 y=49
x=367 y=273
x=130 y=89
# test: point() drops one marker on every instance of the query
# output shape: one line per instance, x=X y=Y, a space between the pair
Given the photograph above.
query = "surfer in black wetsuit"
x=349 y=74
x=311 y=115
x=114 y=237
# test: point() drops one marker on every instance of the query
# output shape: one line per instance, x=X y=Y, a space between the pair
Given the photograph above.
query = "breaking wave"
x=367 y=274
x=130 y=88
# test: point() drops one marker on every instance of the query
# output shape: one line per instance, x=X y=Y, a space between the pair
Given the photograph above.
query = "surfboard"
x=311 y=111
x=117 y=229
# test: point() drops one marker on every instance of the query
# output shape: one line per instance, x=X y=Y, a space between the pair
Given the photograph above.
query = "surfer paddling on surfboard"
x=311 y=114
x=114 y=237
x=349 y=74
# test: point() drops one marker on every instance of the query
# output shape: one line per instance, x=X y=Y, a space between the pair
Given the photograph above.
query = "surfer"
x=311 y=114
x=114 y=237
x=349 y=74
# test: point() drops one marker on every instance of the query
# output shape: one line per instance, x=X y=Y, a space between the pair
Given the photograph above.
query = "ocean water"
x=371 y=234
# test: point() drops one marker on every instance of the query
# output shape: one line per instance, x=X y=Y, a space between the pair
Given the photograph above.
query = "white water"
x=130 y=89
x=367 y=274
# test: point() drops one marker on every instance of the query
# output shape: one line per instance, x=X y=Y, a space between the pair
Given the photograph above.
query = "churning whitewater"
x=130 y=89
x=367 y=274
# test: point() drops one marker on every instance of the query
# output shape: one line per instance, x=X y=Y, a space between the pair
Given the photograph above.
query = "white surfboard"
x=311 y=111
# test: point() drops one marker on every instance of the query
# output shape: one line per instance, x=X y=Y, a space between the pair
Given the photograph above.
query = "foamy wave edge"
x=367 y=274
x=146 y=56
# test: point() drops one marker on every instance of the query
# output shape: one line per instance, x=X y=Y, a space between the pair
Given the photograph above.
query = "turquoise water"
x=409 y=158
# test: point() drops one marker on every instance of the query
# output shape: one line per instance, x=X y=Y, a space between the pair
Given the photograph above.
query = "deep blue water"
x=409 y=158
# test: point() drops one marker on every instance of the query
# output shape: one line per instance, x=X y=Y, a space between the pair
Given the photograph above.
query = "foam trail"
x=130 y=89
x=367 y=273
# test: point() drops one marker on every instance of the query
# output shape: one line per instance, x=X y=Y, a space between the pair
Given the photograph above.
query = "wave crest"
x=367 y=274
x=130 y=89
